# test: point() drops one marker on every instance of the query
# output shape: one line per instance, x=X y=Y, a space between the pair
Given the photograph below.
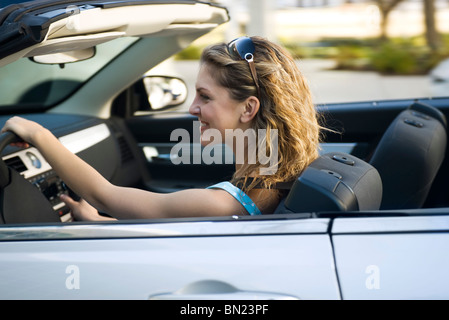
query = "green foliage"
x=351 y=57
x=391 y=56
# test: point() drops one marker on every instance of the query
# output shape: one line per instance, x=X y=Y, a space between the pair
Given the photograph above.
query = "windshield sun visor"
x=59 y=26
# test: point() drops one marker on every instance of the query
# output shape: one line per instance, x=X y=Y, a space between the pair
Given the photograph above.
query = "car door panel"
x=392 y=258
x=288 y=258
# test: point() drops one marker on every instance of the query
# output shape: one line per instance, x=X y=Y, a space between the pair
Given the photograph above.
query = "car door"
x=402 y=257
x=228 y=258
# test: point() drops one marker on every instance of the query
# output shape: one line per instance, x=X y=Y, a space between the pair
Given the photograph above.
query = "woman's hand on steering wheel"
x=24 y=128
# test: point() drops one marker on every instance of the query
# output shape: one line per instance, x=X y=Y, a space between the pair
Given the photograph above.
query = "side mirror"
x=165 y=92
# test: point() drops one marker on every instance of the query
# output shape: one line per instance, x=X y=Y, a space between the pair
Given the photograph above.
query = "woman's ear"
x=251 y=107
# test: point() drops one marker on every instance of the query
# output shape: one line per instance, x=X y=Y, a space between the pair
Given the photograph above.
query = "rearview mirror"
x=62 y=58
x=164 y=92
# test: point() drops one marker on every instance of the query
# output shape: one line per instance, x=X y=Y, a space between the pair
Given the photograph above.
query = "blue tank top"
x=239 y=195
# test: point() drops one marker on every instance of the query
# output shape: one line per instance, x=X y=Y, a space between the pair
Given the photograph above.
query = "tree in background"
x=385 y=7
x=431 y=33
x=432 y=36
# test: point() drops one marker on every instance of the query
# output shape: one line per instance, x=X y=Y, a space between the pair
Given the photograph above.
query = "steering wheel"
x=20 y=201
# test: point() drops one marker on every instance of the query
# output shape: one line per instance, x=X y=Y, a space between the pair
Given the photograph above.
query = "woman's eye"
x=204 y=97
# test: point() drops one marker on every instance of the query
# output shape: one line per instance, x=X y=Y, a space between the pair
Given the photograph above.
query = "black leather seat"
x=409 y=156
x=334 y=182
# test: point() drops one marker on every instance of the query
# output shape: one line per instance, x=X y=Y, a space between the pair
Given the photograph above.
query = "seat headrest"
x=336 y=182
x=409 y=156
x=422 y=109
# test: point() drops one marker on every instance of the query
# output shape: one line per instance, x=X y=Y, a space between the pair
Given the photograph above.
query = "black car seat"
x=334 y=182
x=409 y=156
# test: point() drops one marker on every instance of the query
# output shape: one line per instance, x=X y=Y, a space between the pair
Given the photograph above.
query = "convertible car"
x=369 y=219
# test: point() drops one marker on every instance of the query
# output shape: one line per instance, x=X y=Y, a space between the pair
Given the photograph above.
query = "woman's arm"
x=83 y=211
x=120 y=202
x=77 y=174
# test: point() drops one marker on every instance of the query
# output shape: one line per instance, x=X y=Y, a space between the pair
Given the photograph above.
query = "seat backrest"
x=334 y=182
x=409 y=156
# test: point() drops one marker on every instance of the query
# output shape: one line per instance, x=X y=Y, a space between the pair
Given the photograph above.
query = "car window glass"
x=43 y=85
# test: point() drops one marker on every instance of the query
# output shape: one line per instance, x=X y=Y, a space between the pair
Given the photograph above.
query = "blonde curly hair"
x=285 y=105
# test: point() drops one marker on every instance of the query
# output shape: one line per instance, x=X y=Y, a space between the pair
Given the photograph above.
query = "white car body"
x=289 y=256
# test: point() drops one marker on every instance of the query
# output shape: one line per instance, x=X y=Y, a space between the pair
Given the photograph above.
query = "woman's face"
x=215 y=108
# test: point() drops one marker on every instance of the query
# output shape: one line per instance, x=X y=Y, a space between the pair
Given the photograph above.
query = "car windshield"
x=43 y=85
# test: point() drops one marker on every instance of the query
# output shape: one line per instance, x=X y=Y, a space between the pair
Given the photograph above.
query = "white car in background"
x=439 y=78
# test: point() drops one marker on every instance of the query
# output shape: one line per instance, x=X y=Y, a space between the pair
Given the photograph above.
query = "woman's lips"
x=203 y=126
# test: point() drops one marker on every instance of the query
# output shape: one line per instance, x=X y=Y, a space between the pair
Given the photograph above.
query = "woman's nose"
x=194 y=109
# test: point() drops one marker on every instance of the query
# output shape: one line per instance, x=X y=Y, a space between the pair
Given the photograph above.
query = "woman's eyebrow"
x=199 y=89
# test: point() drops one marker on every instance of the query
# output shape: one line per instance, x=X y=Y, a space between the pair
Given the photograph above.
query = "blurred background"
x=350 y=50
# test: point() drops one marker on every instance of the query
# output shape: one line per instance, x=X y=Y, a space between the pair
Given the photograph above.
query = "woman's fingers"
x=81 y=210
x=24 y=128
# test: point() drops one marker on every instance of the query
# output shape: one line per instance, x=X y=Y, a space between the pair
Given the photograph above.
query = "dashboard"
x=105 y=145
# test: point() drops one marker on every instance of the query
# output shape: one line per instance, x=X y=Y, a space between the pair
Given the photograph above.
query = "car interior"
x=399 y=174
x=396 y=170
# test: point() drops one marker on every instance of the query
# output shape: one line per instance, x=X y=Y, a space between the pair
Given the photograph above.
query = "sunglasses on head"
x=243 y=48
